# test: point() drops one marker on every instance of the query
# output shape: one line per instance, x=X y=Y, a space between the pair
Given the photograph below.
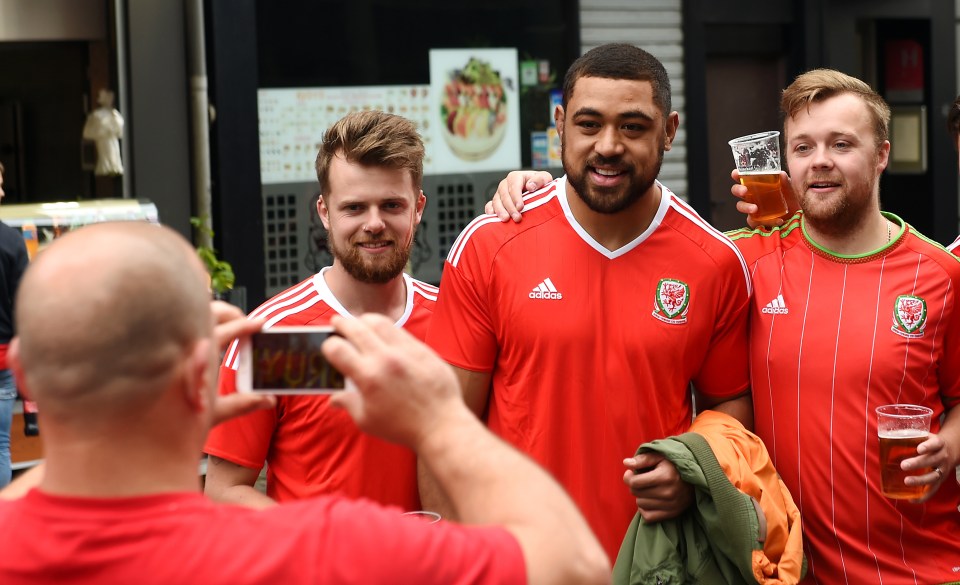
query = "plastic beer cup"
x=425 y=515
x=758 y=162
x=901 y=427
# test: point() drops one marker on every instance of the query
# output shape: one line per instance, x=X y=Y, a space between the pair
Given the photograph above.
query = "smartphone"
x=288 y=360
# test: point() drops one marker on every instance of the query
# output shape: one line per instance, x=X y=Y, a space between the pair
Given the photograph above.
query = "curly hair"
x=621 y=61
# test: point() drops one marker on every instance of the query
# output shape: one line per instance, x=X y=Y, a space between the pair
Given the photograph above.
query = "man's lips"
x=606 y=172
x=373 y=246
x=606 y=176
x=823 y=184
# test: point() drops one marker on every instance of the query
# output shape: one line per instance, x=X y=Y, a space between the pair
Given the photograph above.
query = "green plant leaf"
x=221 y=273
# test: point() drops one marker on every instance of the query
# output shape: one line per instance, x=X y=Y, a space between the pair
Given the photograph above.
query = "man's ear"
x=197 y=378
x=323 y=212
x=883 y=156
x=421 y=203
x=672 y=122
x=13 y=362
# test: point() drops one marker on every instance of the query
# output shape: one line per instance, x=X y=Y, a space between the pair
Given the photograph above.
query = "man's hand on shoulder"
x=507 y=202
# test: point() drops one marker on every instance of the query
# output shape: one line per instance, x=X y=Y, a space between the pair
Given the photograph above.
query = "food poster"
x=477 y=110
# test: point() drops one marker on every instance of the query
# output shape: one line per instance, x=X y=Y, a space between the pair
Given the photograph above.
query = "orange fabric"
x=745 y=461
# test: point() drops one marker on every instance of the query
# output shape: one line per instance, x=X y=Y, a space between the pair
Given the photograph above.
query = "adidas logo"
x=545 y=290
x=776 y=307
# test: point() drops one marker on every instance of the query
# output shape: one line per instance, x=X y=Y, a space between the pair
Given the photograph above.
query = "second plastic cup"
x=901 y=427
x=758 y=162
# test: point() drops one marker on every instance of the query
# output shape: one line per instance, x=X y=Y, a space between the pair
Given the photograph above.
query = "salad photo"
x=474 y=110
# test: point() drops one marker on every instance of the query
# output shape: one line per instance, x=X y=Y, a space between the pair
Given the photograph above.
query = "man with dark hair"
x=370 y=169
x=577 y=333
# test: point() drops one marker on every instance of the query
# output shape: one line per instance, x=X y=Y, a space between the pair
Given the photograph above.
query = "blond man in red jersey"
x=850 y=277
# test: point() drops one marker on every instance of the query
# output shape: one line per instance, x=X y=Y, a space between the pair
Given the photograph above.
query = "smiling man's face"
x=613 y=138
x=835 y=162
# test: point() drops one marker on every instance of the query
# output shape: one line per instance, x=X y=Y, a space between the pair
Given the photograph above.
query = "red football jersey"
x=592 y=351
x=185 y=538
x=833 y=337
x=309 y=448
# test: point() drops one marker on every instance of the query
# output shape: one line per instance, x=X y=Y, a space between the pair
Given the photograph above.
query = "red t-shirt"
x=185 y=538
x=592 y=351
x=832 y=338
x=309 y=448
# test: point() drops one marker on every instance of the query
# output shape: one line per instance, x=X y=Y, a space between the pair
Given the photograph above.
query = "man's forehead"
x=841 y=114
x=592 y=91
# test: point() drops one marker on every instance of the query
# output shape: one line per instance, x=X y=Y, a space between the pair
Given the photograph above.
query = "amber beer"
x=757 y=157
x=763 y=190
x=895 y=446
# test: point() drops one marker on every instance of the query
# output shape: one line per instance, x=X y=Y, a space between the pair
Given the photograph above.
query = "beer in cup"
x=901 y=427
x=758 y=162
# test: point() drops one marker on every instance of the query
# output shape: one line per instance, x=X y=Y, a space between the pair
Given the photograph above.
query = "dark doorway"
x=49 y=82
x=742 y=98
x=738 y=56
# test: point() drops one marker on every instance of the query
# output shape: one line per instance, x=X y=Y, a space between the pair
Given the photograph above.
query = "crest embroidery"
x=671 y=300
x=909 y=316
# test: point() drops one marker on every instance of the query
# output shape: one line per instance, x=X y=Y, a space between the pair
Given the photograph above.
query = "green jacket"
x=719 y=540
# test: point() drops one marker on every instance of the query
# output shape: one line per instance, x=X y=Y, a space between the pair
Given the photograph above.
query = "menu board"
x=292 y=122
x=468 y=116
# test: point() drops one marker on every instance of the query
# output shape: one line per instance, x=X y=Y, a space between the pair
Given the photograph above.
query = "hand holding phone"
x=288 y=360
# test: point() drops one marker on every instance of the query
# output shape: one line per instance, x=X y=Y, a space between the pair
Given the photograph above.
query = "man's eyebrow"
x=629 y=115
x=832 y=135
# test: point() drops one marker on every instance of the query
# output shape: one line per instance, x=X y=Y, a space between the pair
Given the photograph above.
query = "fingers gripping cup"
x=758 y=162
x=901 y=427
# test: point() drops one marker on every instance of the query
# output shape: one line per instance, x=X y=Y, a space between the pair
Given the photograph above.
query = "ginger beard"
x=373 y=269
x=842 y=211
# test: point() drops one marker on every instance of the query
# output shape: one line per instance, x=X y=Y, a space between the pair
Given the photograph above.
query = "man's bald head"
x=106 y=314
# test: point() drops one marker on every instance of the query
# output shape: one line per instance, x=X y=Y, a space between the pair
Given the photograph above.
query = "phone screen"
x=290 y=361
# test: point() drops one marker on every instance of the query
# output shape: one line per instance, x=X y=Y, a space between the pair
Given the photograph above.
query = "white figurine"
x=104 y=126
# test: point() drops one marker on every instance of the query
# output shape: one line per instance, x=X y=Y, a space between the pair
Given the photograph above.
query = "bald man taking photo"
x=118 y=346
